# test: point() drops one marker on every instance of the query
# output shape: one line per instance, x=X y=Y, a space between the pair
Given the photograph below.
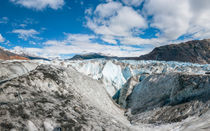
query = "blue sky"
x=62 y=28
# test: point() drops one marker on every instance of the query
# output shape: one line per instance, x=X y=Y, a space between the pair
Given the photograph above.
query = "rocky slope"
x=196 y=51
x=53 y=98
x=6 y=55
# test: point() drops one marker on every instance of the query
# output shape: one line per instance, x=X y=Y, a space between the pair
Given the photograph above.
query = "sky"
x=63 y=28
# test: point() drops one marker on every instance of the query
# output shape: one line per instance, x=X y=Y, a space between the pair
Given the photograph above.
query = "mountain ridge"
x=7 y=55
x=11 y=55
x=195 y=51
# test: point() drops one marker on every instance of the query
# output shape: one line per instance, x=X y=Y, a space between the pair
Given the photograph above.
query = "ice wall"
x=115 y=73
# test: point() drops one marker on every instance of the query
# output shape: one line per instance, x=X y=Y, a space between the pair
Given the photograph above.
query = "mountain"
x=33 y=57
x=6 y=55
x=196 y=51
x=90 y=56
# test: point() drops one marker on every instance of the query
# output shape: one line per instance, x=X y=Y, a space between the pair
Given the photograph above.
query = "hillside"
x=6 y=55
x=91 y=56
x=196 y=51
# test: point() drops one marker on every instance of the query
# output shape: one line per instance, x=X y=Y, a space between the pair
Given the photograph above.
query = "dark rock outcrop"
x=196 y=51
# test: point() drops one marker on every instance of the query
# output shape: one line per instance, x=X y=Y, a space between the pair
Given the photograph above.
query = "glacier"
x=14 y=68
x=112 y=73
x=115 y=73
x=52 y=94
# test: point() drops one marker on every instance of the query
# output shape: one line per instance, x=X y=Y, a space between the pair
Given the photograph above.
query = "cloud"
x=40 y=4
x=171 y=17
x=26 y=34
x=77 y=38
x=24 y=23
x=2 y=39
x=108 y=9
x=73 y=39
x=141 y=41
x=176 y=18
x=80 y=44
x=133 y=2
x=123 y=28
x=200 y=22
x=88 y=11
x=109 y=39
x=113 y=21
x=4 y=20
x=30 y=51
x=54 y=43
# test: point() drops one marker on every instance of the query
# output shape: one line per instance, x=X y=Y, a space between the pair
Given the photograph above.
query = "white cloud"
x=80 y=44
x=141 y=41
x=133 y=2
x=113 y=21
x=25 y=34
x=171 y=17
x=175 y=18
x=108 y=9
x=30 y=51
x=40 y=4
x=109 y=39
x=77 y=38
x=2 y=39
x=126 y=20
x=200 y=22
x=4 y=20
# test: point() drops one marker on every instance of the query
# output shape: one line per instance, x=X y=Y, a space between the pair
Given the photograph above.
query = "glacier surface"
x=51 y=83
x=115 y=73
x=112 y=73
